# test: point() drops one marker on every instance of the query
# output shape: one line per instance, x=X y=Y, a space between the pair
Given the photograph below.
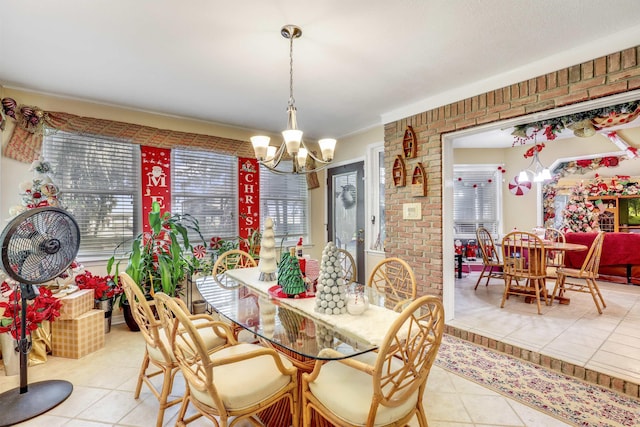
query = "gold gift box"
x=75 y=338
x=76 y=304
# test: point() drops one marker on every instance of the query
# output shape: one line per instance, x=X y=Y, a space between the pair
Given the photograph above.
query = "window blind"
x=284 y=199
x=98 y=179
x=475 y=200
x=205 y=185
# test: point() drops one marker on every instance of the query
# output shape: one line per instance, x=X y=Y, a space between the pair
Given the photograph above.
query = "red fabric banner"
x=156 y=180
x=249 y=197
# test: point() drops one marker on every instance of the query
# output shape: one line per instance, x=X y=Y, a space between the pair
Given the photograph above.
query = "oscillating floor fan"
x=37 y=246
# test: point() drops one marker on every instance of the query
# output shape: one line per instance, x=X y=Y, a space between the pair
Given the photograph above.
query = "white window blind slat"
x=205 y=185
x=98 y=178
x=475 y=200
x=284 y=198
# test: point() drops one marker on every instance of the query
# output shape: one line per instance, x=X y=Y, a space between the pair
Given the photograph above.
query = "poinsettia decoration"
x=43 y=307
x=104 y=287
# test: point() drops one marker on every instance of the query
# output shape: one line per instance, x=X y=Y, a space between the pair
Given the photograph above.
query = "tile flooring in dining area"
x=608 y=343
x=104 y=383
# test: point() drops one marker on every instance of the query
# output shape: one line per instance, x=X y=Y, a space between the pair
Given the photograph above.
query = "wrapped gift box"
x=75 y=338
x=76 y=304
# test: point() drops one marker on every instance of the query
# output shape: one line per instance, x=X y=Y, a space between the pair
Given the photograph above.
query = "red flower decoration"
x=584 y=163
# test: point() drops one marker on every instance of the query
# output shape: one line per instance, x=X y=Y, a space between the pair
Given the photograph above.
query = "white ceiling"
x=359 y=63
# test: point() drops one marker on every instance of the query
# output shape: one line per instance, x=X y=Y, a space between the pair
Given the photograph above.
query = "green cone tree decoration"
x=290 y=276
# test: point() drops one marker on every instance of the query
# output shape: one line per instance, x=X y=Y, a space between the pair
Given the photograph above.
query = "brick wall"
x=420 y=242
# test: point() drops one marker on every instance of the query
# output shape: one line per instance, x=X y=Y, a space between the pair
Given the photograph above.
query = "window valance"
x=26 y=141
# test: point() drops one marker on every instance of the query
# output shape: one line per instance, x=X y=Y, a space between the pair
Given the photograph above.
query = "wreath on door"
x=348 y=196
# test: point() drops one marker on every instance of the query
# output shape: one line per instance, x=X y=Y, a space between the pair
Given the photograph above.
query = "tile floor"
x=104 y=383
x=576 y=333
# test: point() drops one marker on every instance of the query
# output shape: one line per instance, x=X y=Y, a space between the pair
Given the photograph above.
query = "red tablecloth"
x=617 y=249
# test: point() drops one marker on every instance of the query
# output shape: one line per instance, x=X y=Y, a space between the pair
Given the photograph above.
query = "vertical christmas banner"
x=156 y=180
x=249 y=194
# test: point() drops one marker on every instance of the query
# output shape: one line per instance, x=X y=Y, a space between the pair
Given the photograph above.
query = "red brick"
x=539 y=106
x=513 y=112
x=574 y=74
x=491 y=99
x=488 y=118
x=524 y=101
x=633 y=84
x=600 y=66
x=563 y=77
x=552 y=80
x=617 y=384
x=541 y=84
x=631 y=389
x=629 y=58
x=553 y=93
x=515 y=91
x=587 y=70
x=524 y=89
x=597 y=92
x=482 y=101
x=604 y=380
x=572 y=98
x=613 y=62
x=623 y=75
x=585 y=84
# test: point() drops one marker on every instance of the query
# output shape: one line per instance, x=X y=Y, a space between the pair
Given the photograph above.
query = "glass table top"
x=281 y=324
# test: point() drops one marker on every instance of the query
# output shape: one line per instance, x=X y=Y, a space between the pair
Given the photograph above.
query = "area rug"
x=563 y=397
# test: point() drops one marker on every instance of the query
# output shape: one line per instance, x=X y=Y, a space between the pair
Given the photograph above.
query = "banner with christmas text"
x=156 y=180
x=249 y=198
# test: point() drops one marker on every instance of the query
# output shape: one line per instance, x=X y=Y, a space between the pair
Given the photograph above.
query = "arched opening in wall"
x=458 y=295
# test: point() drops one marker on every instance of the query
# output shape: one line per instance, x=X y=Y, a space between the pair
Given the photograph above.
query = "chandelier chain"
x=292 y=101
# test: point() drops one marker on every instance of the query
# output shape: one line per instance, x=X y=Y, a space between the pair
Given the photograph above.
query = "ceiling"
x=359 y=63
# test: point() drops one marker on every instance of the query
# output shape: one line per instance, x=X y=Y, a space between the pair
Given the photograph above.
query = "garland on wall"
x=574 y=167
x=583 y=124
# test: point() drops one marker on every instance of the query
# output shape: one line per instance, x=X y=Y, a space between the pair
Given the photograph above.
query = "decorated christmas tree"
x=290 y=276
x=580 y=214
x=267 y=264
x=332 y=291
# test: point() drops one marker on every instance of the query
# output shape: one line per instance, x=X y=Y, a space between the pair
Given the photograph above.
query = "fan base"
x=39 y=398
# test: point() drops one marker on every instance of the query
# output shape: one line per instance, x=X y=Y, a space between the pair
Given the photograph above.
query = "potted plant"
x=106 y=293
x=160 y=259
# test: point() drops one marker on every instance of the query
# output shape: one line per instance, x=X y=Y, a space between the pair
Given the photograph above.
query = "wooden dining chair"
x=382 y=388
x=395 y=279
x=233 y=384
x=229 y=260
x=524 y=258
x=555 y=258
x=158 y=347
x=348 y=264
x=491 y=263
x=583 y=279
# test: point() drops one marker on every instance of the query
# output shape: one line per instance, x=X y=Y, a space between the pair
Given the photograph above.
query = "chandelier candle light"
x=271 y=156
x=536 y=171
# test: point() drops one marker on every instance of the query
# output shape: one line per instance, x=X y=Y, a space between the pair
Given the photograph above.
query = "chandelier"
x=270 y=156
x=536 y=171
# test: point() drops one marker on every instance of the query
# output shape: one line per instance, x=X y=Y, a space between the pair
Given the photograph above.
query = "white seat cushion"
x=210 y=338
x=243 y=384
x=348 y=392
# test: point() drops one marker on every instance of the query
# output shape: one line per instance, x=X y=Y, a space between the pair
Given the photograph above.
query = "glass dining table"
x=292 y=326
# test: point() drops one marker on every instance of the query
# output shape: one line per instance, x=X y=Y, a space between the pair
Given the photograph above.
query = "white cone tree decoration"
x=268 y=261
x=331 y=294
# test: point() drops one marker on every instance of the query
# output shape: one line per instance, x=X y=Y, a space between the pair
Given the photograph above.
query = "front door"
x=346 y=211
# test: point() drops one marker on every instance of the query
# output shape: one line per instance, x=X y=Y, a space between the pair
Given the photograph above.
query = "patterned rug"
x=563 y=397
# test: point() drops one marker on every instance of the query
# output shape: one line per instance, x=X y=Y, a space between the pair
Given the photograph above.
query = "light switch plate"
x=411 y=211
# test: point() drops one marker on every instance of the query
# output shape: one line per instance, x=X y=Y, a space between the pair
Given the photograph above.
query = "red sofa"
x=620 y=260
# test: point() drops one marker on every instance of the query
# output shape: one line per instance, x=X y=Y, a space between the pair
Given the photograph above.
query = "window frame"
x=460 y=169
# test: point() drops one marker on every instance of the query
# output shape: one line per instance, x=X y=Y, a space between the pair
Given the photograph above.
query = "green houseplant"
x=160 y=259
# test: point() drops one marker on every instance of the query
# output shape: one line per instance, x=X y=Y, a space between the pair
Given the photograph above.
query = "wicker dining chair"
x=555 y=259
x=524 y=257
x=158 y=348
x=395 y=279
x=233 y=384
x=348 y=264
x=381 y=388
x=583 y=279
x=229 y=260
x=491 y=263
